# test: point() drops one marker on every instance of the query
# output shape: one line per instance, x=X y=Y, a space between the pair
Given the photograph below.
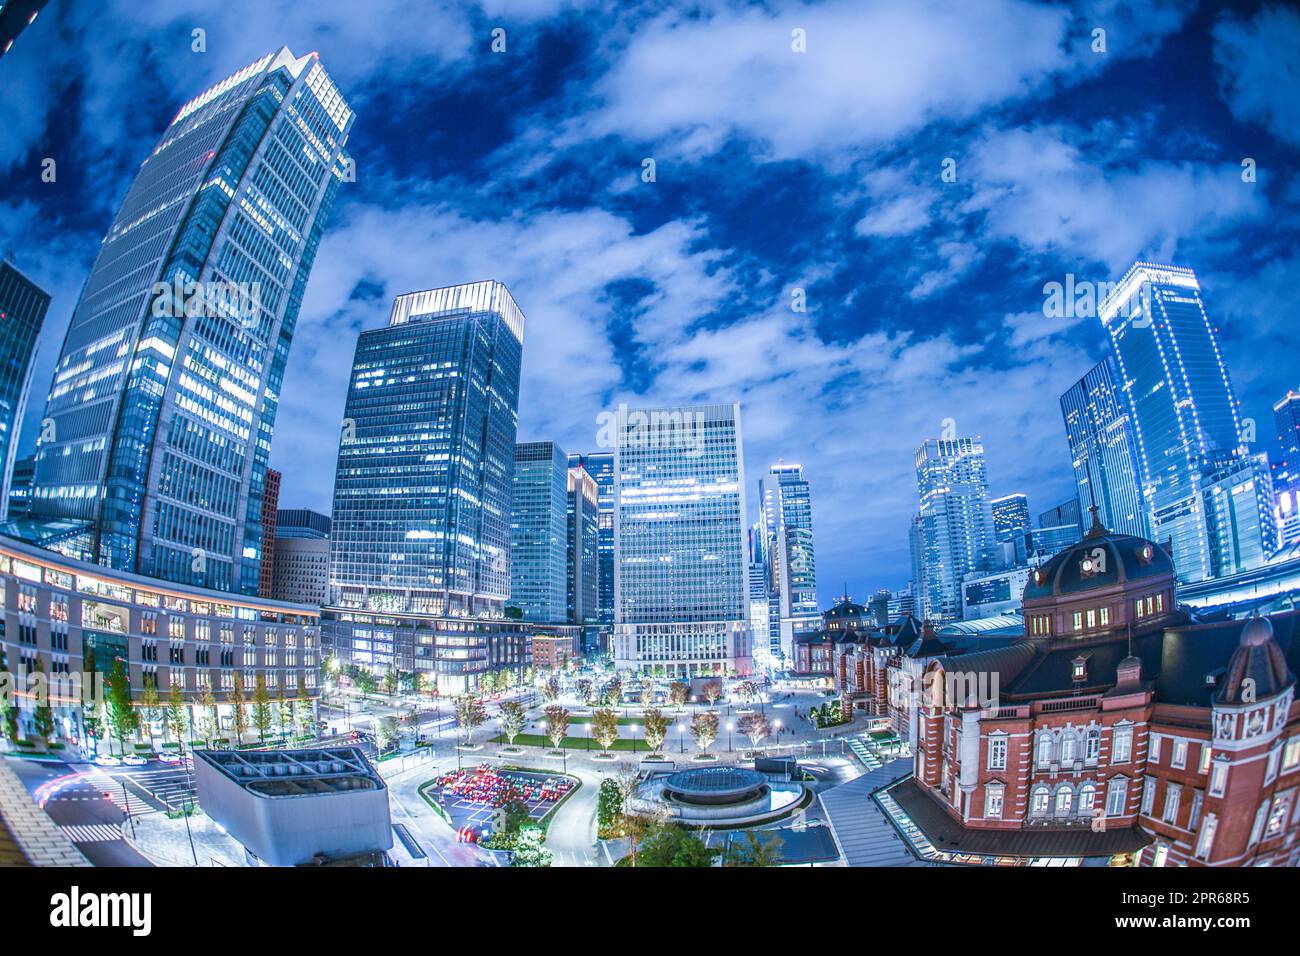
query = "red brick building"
x=1120 y=728
x=270 y=507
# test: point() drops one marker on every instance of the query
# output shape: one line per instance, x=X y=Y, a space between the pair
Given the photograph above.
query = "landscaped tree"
x=210 y=723
x=386 y=734
x=656 y=728
x=262 y=715
x=612 y=693
x=122 y=717
x=604 y=726
x=422 y=684
x=469 y=715
x=150 y=709
x=365 y=682
x=11 y=723
x=557 y=724
x=584 y=688
x=550 y=689
x=530 y=848
x=747 y=692
x=712 y=691
x=678 y=691
x=704 y=728
x=755 y=727
x=669 y=844
x=513 y=718
x=487 y=684
x=42 y=715
x=175 y=719
x=638 y=827
x=757 y=850
x=390 y=682
x=238 y=701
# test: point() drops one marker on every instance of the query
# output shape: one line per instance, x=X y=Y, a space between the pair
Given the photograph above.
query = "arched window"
x=1087 y=799
x=1092 y=745
x=1064 y=801
x=1044 y=749
x=1038 y=805
x=1069 y=747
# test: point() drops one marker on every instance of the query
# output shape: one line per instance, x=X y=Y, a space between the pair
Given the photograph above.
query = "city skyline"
x=832 y=369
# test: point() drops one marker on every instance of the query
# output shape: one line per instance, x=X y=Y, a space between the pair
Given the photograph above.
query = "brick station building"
x=1119 y=730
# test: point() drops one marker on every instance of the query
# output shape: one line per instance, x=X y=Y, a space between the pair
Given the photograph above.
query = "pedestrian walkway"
x=115 y=791
x=861 y=749
x=864 y=834
x=91 y=832
x=34 y=834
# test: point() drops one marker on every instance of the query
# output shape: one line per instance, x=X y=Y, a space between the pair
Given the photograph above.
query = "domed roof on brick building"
x=1102 y=559
x=1257 y=669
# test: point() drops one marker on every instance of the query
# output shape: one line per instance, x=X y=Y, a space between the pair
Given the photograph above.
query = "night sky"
x=775 y=170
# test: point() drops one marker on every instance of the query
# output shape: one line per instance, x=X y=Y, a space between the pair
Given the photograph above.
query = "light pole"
x=634 y=738
x=776 y=724
x=730 y=728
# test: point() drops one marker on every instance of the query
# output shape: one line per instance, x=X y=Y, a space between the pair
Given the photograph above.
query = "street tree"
x=604 y=726
x=303 y=706
x=550 y=689
x=704 y=728
x=386 y=734
x=469 y=715
x=150 y=709
x=755 y=727
x=238 y=701
x=557 y=724
x=678 y=691
x=585 y=687
x=262 y=715
x=747 y=692
x=122 y=717
x=210 y=724
x=513 y=718
x=712 y=691
x=176 y=720
x=656 y=728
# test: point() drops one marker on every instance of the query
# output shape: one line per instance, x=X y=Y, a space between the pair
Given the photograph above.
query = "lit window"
x=1039 y=804
x=997 y=753
x=1206 y=840
x=1179 y=758
x=1116 y=794
x=1078 y=620
x=1219 y=779
x=1121 y=745
x=1064 y=802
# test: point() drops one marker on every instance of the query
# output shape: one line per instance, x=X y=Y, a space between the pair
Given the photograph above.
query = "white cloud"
x=1258 y=65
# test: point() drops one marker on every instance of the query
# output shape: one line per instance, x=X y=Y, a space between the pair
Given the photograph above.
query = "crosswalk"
x=91 y=832
x=122 y=798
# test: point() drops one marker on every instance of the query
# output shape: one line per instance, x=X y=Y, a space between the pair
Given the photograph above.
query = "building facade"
x=1286 y=471
x=681 y=566
x=301 y=523
x=953 y=533
x=1103 y=449
x=164 y=398
x=785 y=500
x=70 y=620
x=582 y=558
x=1184 y=411
x=539 y=532
x=600 y=466
x=270 y=508
x=1010 y=517
x=23 y=305
x=420 y=534
x=301 y=571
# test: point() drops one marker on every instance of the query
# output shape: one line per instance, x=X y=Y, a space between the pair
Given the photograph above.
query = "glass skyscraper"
x=953 y=533
x=165 y=394
x=23 y=305
x=1010 y=517
x=1103 y=448
x=583 y=561
x=786 y=518
x=600 y=466
x=1177 y=388
x=539 y=534
x=1286 y=472
x=681 y=566
x=421 y=518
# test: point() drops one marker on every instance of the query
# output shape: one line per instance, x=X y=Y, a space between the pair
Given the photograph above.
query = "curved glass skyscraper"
x=159 y=421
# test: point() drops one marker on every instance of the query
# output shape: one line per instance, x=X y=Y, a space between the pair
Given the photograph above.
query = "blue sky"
x=776 y=170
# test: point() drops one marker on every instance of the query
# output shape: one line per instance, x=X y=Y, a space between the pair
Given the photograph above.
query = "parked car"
x=134 y=760
x=107 y=760
x=169 y=756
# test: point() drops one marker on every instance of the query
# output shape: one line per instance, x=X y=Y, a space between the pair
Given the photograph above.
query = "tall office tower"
x=1068 y=512
x=20 y=486
x=758 y=612
x=1010 y=516
x=23 y=305
x=164 y=397
x=421 y=517
x=1184 y=411
x=582 y=559
x=681 y=587
x=301 y=523
x=301 y=570
x=954 y=531
x=1050 y=540
x=1241 y=523
x=270 y=508
x=786 y=505
x=600 y=466
x=1286 y=472
x=1103 y=448
x=539 y=532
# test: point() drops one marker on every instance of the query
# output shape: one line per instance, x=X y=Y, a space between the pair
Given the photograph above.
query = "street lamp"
x=776 y=724
x=634 y=738
x=730 y=728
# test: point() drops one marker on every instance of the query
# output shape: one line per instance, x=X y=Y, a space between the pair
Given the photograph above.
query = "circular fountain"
x=721 y=796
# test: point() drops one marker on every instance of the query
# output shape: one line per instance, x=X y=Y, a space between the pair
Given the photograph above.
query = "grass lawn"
x=883 y=735
x=572 y=743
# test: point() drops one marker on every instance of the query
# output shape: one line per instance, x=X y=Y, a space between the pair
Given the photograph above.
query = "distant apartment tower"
x=600 y=466
x=421 y=518
x=23 y=305
x=20 y=487
x=420 y=534
x=539 y=534
x=786 y=502
x=164 y=398
x=301 y=523
x=953 y=531
x=582 y=560
x=1047 y=542
x=1010 y=516
x=270 y=507
x=681 y=565
x=1185 y=414
x=1103 y=449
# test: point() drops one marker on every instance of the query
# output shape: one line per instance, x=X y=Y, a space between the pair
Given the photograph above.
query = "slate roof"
x=1126 y=558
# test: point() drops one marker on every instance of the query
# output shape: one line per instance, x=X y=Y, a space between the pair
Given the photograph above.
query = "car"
x=169 y=756
x=134 y=760
x=107 y=760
